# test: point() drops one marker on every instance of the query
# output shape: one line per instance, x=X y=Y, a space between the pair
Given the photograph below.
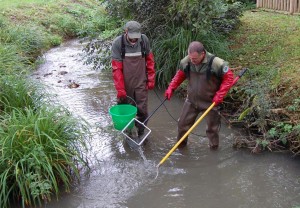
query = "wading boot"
x=182 y=144
x=214 y=147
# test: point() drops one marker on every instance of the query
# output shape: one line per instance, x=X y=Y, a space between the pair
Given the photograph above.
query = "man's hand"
x=150 y=85
x=227 y=82
x=217 y=99
x=168 y=93
x=176 y=81
x=121 y=94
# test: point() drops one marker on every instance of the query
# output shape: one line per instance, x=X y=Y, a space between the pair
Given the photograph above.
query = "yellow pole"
x=186 y=134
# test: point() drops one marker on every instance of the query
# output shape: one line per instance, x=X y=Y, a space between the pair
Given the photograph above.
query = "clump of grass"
x=10 y=61
x=27 y=42
x=66 y=25
x=40 y=151
x=17 y=93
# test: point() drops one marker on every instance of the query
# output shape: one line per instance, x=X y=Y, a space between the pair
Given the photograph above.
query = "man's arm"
x=176 y=81
x=227 y=81
x=117 y=68
x=150 y=70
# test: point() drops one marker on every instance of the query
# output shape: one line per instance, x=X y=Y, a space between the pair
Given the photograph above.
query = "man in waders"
x=209 y=80
x=133 y=69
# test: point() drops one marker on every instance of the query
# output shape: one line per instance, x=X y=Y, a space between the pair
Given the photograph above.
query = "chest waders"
x=195 y=124
x=201 y=90
x=135 y=79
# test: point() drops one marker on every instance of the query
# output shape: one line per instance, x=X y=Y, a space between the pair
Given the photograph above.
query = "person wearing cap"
x=133 y=69
x=209 y=80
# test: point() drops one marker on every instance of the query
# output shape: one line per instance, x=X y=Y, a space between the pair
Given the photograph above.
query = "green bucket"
x=122 y=115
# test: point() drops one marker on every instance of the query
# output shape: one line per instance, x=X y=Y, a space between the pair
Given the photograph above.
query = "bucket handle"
x=132 y=100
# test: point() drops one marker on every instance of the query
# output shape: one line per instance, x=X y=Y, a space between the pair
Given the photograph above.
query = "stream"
x=124 y=176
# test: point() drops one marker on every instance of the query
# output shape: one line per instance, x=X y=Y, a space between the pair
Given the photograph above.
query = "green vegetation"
x=40 y=151
x=7 y=4
x=269 y=44
x=42 y=146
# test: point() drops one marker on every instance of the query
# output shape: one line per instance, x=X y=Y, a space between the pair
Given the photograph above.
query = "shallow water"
x=125 y=176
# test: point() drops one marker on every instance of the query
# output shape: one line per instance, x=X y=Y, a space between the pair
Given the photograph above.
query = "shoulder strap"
x=122 y=47
x=143 y=49
x=187 y=70
x=208 y=72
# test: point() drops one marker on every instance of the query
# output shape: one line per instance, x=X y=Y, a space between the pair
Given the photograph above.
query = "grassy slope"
x=269 y=43
x=4 y=4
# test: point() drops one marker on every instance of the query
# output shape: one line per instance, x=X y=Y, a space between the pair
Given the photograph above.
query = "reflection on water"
x=124 y=176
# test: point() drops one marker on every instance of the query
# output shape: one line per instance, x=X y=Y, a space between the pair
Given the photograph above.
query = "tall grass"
x=17 y=93
x=40 y=151
x=10 y=61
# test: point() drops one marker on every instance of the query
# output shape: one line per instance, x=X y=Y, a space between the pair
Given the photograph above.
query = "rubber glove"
x=227 y=82
x=176 y=81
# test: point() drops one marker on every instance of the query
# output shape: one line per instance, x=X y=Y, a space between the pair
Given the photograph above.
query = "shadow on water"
x=124 y=176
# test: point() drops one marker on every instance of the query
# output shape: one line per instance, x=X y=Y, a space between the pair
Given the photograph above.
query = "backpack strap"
x=143 y=49
x=208 y=72
x=187 y=70
x=122 y=47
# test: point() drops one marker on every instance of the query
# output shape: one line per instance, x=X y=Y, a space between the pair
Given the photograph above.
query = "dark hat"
x=134 y=29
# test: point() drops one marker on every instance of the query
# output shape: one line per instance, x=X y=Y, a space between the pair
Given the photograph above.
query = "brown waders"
x=135 y=78
x=200 y=95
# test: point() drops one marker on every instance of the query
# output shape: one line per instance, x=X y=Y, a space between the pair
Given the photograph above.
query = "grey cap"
x=134 y=29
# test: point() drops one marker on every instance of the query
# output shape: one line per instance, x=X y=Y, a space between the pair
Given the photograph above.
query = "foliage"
x=17 y=93
x=230 y=20
x=40 y=151
x=269 y=93
x=170 y=25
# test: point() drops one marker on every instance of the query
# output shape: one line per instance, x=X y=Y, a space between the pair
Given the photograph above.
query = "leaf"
x=244 y=113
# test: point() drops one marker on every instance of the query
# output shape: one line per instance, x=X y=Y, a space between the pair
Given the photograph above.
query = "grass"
x=17 y=93
x=7 y=4
x=41 y=146
x=269 y=42
x=269 y=45
x=39 y=153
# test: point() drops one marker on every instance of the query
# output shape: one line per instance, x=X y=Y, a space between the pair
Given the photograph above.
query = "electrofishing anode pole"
x=198 y=121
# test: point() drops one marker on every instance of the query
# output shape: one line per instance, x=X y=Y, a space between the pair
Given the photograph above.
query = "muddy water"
x=124 y=176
